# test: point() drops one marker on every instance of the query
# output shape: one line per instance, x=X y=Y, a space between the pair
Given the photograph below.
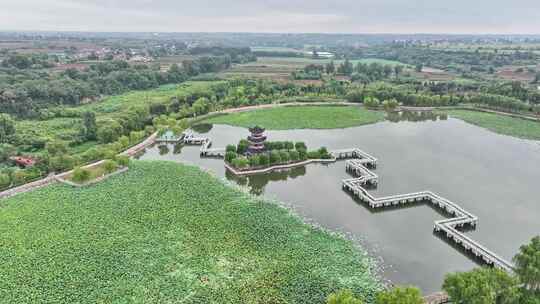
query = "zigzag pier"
x=359 y=166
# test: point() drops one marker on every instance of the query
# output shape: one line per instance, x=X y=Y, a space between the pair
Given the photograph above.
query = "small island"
x=255 y=154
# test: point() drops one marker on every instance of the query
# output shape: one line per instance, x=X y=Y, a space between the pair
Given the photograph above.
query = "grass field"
x=168 y=233
x=302 y=117
x=500 y=124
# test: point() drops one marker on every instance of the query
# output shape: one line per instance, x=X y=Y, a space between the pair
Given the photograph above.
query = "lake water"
x=493 y=176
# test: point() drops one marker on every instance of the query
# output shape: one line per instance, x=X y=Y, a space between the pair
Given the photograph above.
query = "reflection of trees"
x=202 y=128
x=257 y=183
x=177 y=149
x=415 y=116
x=163 y=149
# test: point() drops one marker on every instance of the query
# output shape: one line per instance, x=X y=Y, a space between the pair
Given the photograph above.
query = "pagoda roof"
x=256 y=129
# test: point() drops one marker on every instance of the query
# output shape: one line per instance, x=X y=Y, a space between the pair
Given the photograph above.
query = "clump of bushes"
x=109 y=166
x=81 y=175
x=277 y=152
x=122 y=160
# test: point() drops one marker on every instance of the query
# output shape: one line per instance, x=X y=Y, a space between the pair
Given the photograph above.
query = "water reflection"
x=163 y=149
x=202 y=128
x=416 y=116
x=178 y=148
x=257 y=183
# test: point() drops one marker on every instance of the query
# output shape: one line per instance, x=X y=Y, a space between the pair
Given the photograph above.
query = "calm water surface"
x=493 y=176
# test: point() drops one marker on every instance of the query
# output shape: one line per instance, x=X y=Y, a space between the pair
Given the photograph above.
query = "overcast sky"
x=324 y=16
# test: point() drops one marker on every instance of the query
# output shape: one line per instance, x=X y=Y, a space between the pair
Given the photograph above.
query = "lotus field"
x=168 y=233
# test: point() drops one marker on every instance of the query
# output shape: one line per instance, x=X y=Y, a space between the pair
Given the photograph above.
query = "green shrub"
x=407 y=295
x=277 y=145
x=124 y=142
x=19 y=177
x=313 y=155
x=390 y=105
x=302 y=153
x=343 y=297
x=81 y=175
x=5 y=180
x=288 y=145
x=371 y=102
x=242 y=146
x=92 y=154
x=294 y=155
x=240 y=162
x=355 y=95
x=230 y=156
x=61 y=163
x=254 y=161
x=323 y=153
x=230 y=148
x=275 y=158
x=300 y=145
x=264 y=159
x=107 y=152
x=109 y=166
x=284 y=155
x=122 y=160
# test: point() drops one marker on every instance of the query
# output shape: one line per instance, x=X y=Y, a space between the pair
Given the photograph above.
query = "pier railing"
x=358 y=166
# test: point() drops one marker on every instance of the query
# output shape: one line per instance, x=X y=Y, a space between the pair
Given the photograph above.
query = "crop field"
x=168 y=233
x=280 y=68
x=302 y=117
x=501 y=124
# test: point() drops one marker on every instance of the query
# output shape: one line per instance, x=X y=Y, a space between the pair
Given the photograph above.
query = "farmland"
x=304 y=117
x=280 y=68
x=164 y=233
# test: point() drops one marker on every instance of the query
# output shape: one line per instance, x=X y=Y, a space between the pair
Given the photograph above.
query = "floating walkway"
x=205 y=143
x=358 y=166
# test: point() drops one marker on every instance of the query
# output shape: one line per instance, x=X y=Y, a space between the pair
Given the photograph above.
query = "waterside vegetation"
x=305 y=117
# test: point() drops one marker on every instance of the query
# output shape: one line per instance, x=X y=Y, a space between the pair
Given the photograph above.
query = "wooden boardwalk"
x=358 y=166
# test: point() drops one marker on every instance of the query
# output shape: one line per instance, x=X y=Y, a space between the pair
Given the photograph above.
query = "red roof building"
x=23 y=161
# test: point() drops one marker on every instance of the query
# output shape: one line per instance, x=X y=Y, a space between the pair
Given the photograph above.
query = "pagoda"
x=256 y=140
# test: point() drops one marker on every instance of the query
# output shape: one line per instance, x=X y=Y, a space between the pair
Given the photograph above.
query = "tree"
x=398 y=68
x=330 y=67
x=7 y=127
x=343 y=297
x=346 y=68
x=109 y=131
x=537 y=78
x=400 y=295
x=528 y=265
x=89 y=125
x=419 y=67
x=56 y=147
x=481 y=286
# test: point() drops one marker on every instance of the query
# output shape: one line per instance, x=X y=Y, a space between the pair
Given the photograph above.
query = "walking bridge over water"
x=359 y=165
